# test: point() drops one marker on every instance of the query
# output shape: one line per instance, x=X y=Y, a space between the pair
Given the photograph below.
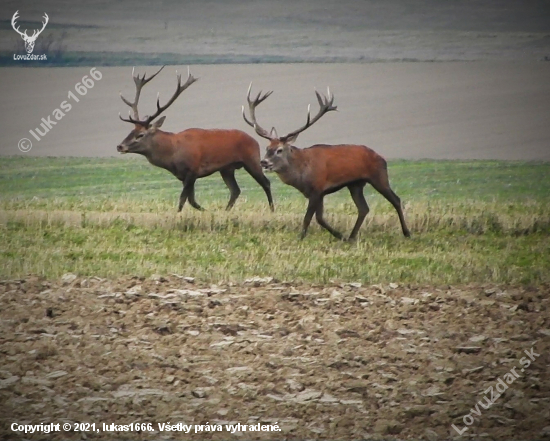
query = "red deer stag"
x=324 y=169
x=193 y=153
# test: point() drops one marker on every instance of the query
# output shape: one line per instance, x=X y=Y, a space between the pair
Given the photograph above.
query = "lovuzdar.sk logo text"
x=29 y=39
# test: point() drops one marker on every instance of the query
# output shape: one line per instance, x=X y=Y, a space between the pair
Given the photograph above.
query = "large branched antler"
x=325 y=105
x=252 y=104
x=140 y=82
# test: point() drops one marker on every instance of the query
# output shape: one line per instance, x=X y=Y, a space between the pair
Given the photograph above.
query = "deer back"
x=327 y=167
x=204 y=151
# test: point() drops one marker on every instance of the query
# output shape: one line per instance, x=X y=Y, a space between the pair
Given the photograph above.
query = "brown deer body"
x=193 y=153
x=324 y=169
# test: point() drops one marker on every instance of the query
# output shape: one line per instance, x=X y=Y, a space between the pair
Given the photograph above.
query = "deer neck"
x=161 y=150
x=297 y=171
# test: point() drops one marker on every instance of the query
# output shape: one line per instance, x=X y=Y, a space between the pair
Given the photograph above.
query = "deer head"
x=29 y=41
x=279 y=150
x=140 y=139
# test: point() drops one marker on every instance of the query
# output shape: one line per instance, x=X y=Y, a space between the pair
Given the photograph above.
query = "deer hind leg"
x=358 y=197
x=323 y=223
x=255 y=170
x=228 y=176
x=382 y=185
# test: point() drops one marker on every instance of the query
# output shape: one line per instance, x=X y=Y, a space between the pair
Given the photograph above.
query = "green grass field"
x=472 y=222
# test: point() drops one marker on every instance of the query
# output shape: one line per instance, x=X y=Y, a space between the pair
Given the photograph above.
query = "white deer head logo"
x=29 y=41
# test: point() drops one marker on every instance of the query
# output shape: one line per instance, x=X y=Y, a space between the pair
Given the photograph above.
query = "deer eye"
x=279 y=151
x=140 y=135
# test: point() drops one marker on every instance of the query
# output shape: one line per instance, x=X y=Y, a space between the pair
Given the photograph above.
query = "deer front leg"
x=311 y=209
x=192 y=200
x=187 y=192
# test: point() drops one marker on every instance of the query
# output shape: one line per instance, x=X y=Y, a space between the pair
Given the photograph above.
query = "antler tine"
x=130 y=119
x=125 y=100
x=143 y=80
x=326 y=104
x=139 y=82
x=248 y=99
x=179 y=89
x=320 y=99
x=252 y=104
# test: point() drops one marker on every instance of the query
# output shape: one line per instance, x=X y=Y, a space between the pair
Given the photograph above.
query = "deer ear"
x=158 y=123
x=273 y=133
x=291 y=139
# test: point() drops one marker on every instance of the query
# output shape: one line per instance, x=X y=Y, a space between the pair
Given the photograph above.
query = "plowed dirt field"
x=341 y=361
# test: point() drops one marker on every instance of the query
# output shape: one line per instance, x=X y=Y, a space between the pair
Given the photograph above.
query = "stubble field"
x=472 y=222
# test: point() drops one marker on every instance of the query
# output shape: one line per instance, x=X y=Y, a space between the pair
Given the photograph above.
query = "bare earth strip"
x=320 y=30
x=456 y=110
x=330 y=362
